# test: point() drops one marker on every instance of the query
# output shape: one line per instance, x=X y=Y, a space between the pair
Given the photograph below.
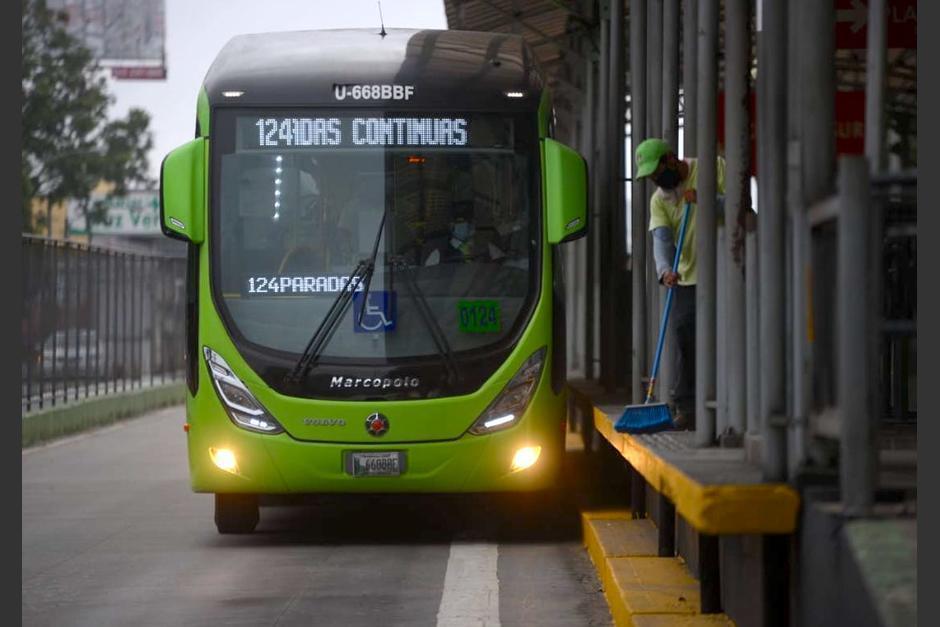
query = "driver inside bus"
x=462 y=243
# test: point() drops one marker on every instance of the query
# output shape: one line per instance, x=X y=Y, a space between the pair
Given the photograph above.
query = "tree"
x=69 y=145
x=120 y=158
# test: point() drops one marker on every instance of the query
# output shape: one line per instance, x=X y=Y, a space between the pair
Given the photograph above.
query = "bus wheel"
x=236 y=513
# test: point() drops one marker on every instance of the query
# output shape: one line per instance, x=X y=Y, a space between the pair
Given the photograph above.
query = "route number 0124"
x=478 y=316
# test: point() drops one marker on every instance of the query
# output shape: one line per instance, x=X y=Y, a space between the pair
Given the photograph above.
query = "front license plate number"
x=384 y=464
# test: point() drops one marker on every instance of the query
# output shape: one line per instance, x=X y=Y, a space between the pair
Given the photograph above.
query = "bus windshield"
x=298 y=204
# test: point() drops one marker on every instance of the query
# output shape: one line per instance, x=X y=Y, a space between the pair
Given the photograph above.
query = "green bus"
x=374 y=297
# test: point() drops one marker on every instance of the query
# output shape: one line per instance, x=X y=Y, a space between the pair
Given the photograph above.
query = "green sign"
x=478 y=316
x=135 y=213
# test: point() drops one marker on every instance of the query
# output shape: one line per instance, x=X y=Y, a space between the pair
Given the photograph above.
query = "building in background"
x=127 y=36
x=131 y=222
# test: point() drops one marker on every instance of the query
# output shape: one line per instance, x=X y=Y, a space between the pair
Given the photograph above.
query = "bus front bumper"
x=265 y=464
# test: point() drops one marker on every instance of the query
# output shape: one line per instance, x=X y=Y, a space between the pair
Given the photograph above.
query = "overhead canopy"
x=558 y=33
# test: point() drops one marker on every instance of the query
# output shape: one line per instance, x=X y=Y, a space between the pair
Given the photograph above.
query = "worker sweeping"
x=676 y=182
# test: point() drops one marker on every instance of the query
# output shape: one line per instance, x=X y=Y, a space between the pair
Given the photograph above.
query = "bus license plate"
x=386 y=464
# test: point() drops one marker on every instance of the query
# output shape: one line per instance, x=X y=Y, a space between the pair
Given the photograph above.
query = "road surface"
x=112 y=535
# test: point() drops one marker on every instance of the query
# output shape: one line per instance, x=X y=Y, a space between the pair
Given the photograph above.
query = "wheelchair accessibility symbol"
x=379 y=314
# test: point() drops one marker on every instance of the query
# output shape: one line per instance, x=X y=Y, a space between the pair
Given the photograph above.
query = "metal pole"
x=617 y=231
x=601 y=202
x=152 y=305
x=591 y=125
x=857 y=445
x=97 y=310
x=43 y=304
x=689 y=76
x=597 y=245
x=737 y=201
x=670 y=105
x=706 y=225
x=56 y=312
x=139 y=341
x=793 y=178
x=875 y=151
x=817 y=140
x=654 y=117
x=654 y=55
x=752 y=356
x=638 y=194
x=66 y=297
x=721 y=327
x=875 y=85
x=89 y=325
x=818 y=78
x=670 y=76
x=29 y=342
x=770 y=236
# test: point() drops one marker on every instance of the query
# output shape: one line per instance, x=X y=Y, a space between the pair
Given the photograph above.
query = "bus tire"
x=236 y=513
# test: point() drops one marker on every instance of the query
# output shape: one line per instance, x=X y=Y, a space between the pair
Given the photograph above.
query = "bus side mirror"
x=565 y=192
x=183 y=193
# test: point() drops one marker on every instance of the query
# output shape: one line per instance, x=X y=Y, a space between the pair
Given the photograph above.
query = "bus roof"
x=446 y=69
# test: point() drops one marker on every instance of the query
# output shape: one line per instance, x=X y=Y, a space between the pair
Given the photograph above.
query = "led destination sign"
x=325 y=129
x=302 y=132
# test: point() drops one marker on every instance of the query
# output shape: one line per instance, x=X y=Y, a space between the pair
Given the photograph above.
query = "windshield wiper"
x=370 y=268
x=327 y=325
x=437 y=334
x=363 y=270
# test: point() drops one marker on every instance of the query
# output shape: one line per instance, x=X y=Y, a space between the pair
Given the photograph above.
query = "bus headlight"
x=241 y=406
x=525 y=457
x=507 y=408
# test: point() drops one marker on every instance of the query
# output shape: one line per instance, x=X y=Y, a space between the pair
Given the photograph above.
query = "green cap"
x=648 y=154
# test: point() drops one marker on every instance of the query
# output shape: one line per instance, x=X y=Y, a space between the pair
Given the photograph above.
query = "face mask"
x=463 y=231
x=668 y=179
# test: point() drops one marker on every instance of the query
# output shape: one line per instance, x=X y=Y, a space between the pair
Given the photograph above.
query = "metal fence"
x=98 y=321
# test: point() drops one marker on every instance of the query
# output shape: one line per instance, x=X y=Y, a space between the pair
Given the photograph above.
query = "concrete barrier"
x=61 y=420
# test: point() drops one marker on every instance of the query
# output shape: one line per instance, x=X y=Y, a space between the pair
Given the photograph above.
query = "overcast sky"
x=197 y=29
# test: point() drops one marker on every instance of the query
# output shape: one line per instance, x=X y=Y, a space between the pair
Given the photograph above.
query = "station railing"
x=97 y=321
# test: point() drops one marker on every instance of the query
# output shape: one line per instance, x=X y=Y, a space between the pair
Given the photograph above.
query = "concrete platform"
x=641 y=588
x=715 y=489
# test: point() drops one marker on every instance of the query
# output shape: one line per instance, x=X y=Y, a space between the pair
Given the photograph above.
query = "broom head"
x=644 y=418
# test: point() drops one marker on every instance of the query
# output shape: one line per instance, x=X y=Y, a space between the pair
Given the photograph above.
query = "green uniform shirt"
x=666 y=210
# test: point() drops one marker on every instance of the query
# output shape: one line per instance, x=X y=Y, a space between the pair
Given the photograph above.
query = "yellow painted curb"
x=760 y=508
x=672 y=620
x=655 y=585
x=641 y=589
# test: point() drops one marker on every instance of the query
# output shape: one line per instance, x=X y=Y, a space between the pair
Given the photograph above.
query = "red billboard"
x=849 y=131
x=852 y=24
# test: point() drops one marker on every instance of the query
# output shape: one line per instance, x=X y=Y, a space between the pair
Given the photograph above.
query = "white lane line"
x=471 y=587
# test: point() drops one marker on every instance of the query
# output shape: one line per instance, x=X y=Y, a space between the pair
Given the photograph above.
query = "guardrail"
x=97 y=321
x=863 y=317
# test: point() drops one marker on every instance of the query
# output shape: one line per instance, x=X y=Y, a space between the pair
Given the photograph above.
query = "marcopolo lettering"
x=378 y=383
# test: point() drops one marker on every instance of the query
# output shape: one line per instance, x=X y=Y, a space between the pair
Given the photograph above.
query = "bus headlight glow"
x=525 y=457
x=224 y=459
x=242 y=407
x=495 y=422
x=507 y=408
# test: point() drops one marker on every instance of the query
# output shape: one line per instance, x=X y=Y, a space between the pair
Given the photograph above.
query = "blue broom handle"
x=669 y=293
